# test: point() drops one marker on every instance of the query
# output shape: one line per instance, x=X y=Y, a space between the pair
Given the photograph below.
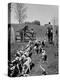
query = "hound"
x=17 y=61
x=40 y=49
x=43 y=43
x=26 y=65
x=19 y=53
x=14 y=69
x=28 y=51
x=44 y=71
x=36 y=46
x=44 y=56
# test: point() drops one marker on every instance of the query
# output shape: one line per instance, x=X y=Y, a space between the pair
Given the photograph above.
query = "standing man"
x=24 y=32
x=32 y=32
x=50 y=33
x=21 y=34
x=25 y=29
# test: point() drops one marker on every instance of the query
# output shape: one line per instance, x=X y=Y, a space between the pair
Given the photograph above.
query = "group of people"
x=22 y=64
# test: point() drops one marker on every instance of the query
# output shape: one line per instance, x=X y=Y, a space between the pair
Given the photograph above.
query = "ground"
x=51 y=67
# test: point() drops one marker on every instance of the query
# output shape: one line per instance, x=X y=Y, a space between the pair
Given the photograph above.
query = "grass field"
x=51 y=67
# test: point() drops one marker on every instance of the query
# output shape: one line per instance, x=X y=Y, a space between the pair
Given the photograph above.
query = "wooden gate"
x=22 y=36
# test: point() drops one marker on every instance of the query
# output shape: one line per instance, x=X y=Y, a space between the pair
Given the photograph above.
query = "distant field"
x=39 y=29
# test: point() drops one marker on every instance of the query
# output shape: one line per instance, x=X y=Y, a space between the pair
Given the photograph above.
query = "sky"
x=43 y=13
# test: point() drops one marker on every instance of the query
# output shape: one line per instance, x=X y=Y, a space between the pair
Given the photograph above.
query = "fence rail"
x=28 y=35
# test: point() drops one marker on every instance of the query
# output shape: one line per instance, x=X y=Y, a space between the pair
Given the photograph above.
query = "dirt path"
x=51 y=67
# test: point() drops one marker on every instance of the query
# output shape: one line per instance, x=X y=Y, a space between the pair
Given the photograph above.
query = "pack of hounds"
x=22 y=64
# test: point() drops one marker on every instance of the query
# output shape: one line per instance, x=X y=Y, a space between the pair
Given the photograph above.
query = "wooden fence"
x=28 y=35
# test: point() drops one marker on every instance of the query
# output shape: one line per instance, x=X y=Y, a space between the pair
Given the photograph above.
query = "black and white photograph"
x=33 y=32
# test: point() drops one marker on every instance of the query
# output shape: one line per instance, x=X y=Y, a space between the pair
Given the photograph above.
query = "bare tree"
x=54 y=20
x=20 y=11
